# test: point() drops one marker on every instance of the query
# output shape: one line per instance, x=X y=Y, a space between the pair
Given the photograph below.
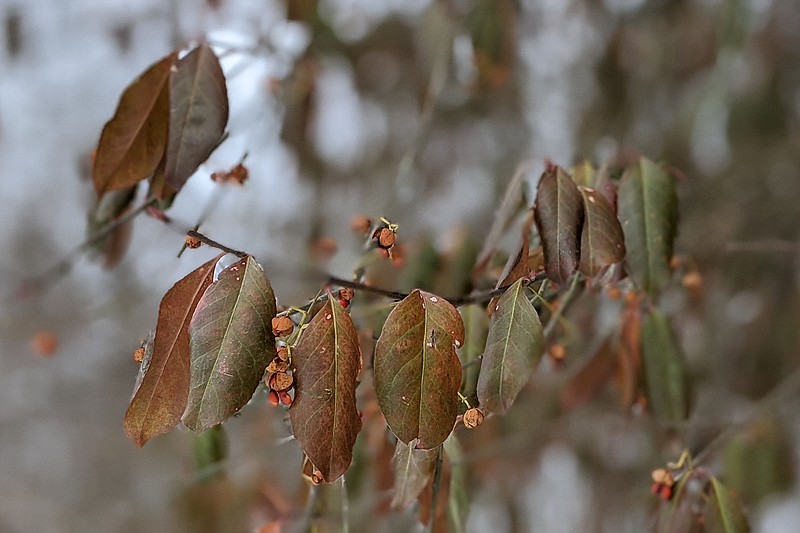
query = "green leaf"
x=417 y=372
x=412 y=469
x=602 y=241
x=663 y=368
x=726 y=514
x=209 y=450
x=648 y=211
x=559 y=213
x=326 y=361
x=231 y=344
x=134 y=140
x=476 y=327
x=198 y=113
x=458 y=501
x=160 y=398
x=513 y=348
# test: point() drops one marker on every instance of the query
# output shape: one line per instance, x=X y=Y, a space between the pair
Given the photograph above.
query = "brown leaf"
x=589 y=380
x=134 y=140
x=160 y=399
x=417 y=372
x=602 y=241
x=198 y=113
x=327 y=360
x=559 y=215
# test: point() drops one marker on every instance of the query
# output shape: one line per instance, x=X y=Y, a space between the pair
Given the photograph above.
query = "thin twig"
x=64 y=265
x=555 y=318
x=214 y=244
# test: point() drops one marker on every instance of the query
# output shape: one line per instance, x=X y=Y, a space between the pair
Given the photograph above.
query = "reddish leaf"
x=231 y=344
x=648 y=210
x=629 y=359
x=326 y=361
x=412 y=468
x=160 y=398
x=134 y=140
x=559 y=214
x=589 y=380
x=513 y=348
x=602 y=241
x=197 y=116
x=417 y=372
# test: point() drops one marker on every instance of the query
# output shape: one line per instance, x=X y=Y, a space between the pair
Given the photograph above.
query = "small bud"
x=665 y=493
x=473 y=418
x=613 y=293
x=192 y=242
x=557 y=351
x=138 y=355
x=283 y=353
x=282 y=326
x=661 y=475
x=346 y=294
x=675 y=262
x=239 y=174
x=384 y=237
x=316 y=477
x=280 y=381
x=360 y=224
x=273 y=398
x=693 y=283
x=44 y=342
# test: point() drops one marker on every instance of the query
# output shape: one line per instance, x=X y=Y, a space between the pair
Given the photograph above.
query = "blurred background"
x=421 y=111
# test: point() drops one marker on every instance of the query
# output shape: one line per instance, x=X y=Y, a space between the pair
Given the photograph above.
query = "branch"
x=214 y=244
x=63 y=266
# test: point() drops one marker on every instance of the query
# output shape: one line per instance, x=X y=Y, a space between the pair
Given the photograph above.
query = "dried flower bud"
x=280 y=381
x=346 y=294
x=192 y=242
x=384 y=237
x=557 y=351
x=661 y=475
x=473 y=418
x=138 y=355
x=693 y=283
x=286 y=399
x=360 y=224
x=283 y=353
x=282 y=326
x=277 y=365
x=273 y=398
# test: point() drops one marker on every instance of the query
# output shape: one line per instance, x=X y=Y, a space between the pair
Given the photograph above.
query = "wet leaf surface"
x=417 y=372
x=231 y=344
x=326 y=361
x=160 y=398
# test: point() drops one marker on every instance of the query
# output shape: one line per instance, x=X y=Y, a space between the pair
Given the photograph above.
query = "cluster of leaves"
x=219 y=334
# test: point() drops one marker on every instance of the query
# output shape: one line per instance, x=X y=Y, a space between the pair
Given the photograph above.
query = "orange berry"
x=282 y=326
x=273 y=398
x=44 y=342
